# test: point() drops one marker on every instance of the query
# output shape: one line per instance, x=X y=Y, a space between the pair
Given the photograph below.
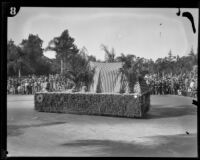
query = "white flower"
x=39 y=98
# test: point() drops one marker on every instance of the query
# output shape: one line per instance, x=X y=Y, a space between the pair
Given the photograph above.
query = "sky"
x=144 y=32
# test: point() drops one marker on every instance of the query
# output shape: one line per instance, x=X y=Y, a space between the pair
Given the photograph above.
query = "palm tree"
x=121 y=58
x=64 y=47
x=109 y=55
x=80 y=72
x=129 y=69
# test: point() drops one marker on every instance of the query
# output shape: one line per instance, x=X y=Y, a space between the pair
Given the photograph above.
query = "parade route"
x=162 y=133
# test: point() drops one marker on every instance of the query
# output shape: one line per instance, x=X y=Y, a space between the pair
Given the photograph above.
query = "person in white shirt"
x=35 y=87
x=192 y=84
x=19 y=89
x=26 y=87
x=191 y=88
x=44 y=85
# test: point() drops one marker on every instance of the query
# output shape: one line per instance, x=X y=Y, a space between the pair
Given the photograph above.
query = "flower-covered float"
x=109 y=94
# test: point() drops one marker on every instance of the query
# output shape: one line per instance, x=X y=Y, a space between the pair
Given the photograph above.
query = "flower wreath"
x=39 y=98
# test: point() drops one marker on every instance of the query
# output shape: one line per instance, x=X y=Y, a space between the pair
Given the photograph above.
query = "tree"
x=170 y=57
x=109 y=55
x=121 y=58
x=159 y=65
x=74 y=62
x=80 y=72
x=55 y=66
x=64 y=47
x=85 y=54
x=132 y=69
x=17 y=62
x=32 y=49
x=193 y=57
x=34 y=62
x=44 y=64
x=12 y=52
x=128 y=59
x=92 y=58
x=151 y=66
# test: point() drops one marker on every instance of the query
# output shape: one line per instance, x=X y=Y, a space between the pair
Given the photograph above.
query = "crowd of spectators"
x=159 y=85
x=185 y=85
x=32 y=84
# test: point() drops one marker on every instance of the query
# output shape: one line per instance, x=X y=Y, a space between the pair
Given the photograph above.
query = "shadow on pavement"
x=16 y=130
x=169 y=146
x=161 y=111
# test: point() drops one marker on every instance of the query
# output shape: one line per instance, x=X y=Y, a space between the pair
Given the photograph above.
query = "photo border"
x=87 y=3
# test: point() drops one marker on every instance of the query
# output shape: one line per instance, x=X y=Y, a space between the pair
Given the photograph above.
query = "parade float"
x=107 y=95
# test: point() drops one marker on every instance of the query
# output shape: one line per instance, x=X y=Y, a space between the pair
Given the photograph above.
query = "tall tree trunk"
x=61 y=66
x=19 y=73
x=64 y=64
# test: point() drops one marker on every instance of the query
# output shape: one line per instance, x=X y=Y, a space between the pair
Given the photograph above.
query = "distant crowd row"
x=32 y=84
x=168 y=84
x=177 y=84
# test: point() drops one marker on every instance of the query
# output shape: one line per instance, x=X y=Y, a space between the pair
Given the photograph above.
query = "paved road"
x=162 y=133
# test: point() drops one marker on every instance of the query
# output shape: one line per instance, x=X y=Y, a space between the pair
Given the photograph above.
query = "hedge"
x=123 y=105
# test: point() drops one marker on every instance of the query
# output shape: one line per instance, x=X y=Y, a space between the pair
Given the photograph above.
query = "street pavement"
x=168 y=130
